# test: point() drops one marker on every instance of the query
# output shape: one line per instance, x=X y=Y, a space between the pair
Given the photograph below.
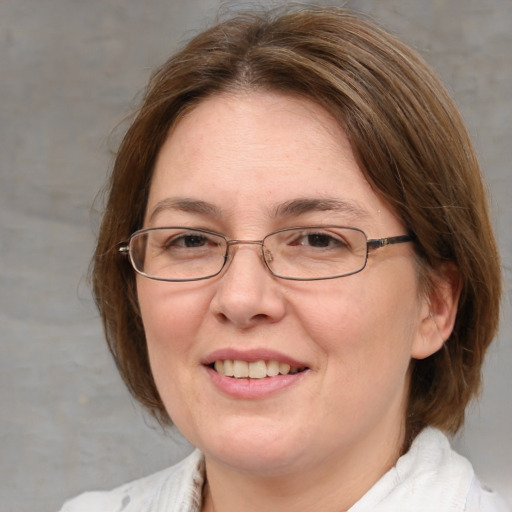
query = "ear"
x=438 y=311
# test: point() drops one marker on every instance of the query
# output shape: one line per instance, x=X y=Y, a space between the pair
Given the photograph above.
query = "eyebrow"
x=185 y=204
x=292 y=208
x=304 y=205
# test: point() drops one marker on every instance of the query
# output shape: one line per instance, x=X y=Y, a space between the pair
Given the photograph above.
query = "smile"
x=261 y=369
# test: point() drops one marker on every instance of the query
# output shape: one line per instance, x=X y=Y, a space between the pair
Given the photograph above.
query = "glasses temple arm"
x=377 y=243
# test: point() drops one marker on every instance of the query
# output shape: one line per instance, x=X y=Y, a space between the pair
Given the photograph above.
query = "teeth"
x=240 y=369
x=254 y=370
x=219 y=366
x=257 y=370
x=228 y=370
x=284 y=368
x=272 y=368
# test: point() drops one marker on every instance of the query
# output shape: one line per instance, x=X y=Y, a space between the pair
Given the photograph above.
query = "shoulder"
x=483 y=499
x=430 y=477
x=169 y=490
x=455 y=476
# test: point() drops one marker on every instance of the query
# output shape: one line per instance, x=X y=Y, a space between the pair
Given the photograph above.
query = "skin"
x=323 y=441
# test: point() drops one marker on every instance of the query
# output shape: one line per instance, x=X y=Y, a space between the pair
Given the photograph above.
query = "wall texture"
x=70 y=70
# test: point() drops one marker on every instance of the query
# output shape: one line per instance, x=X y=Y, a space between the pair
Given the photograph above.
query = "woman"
x=297 y=269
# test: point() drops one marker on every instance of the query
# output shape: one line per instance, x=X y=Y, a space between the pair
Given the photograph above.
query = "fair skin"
x=319 y=439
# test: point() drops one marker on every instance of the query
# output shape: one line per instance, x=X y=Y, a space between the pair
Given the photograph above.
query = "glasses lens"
x=316 y=252
x=177 y=254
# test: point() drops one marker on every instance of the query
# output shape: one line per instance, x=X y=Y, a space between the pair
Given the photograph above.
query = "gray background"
x=70 y=69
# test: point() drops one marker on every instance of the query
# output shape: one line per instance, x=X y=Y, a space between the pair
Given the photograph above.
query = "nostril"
x=242 y=323
x=260 y=317
x=221 y=317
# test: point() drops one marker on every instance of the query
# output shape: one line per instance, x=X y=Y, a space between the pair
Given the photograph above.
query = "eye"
x=320 y=240
x=187 y=241
x=177 y=244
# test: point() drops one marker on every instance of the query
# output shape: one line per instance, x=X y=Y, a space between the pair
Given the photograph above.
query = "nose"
x=247 y=294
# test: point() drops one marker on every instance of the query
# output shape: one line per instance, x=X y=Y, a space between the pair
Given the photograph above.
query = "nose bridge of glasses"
x=240 y=242
x=264 y=251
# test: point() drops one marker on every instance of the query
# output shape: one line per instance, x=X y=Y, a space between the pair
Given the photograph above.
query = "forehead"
x=248 y=122
x=256 y=151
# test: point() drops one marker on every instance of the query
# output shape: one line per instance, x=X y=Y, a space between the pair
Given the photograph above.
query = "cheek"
x=364 y=326
x=171 y=317
x=365 y=338
x=170 y=314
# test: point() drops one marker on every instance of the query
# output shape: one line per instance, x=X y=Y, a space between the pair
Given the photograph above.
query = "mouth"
x=239 y=369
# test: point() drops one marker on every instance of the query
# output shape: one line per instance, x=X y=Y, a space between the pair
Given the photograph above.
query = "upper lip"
x=251 y=355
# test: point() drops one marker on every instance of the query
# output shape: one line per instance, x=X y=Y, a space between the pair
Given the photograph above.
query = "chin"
x=257 y=460
x=257 y=449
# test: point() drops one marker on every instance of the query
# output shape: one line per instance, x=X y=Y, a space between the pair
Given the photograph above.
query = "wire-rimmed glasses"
x=303 y=253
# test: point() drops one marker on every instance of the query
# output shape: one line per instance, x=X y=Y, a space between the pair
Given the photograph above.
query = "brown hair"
x=411 y=145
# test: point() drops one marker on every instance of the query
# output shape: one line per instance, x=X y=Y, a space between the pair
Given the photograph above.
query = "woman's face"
x=245 y=165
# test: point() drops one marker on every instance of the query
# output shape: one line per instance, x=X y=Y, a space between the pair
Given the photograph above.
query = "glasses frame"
x=372 y=244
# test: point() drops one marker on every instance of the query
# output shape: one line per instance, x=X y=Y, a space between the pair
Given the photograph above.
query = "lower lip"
x=251 y=389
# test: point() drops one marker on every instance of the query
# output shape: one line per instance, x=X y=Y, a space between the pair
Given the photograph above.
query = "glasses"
x=306 y=253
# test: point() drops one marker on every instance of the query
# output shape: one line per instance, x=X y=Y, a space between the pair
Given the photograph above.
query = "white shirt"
x=430 y=477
